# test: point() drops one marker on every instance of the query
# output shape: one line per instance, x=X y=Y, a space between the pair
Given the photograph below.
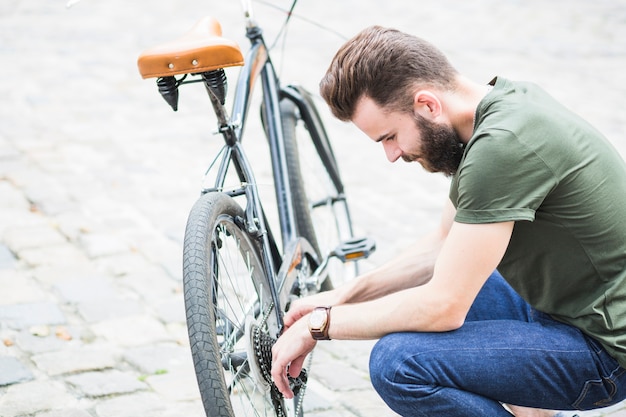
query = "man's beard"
x=442 y=149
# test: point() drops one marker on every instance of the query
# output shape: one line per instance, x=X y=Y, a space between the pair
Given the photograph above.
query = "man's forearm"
x=412 y=267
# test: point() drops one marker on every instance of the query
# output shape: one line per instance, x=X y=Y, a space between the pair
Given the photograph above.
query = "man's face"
x=411 y=137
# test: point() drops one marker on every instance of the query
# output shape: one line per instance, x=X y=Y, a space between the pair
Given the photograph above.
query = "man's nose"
x=392 y=151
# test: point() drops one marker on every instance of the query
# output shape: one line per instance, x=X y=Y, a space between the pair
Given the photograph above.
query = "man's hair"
x=385 y=65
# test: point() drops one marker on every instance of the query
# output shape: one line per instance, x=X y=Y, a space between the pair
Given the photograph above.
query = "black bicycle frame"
x=259 y=66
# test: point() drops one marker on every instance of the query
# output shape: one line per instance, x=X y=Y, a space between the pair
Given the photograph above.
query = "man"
x=536 y=195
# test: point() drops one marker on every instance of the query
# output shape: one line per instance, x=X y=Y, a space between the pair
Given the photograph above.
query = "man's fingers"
x=281 y=381
x=290 y=350
x=296 y=312
x=279 y=372
x=296 y=366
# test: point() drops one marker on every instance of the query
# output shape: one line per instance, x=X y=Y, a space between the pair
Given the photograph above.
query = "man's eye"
x=390 y=138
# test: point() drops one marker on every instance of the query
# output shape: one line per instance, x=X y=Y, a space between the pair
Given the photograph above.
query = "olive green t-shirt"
x=532 y=161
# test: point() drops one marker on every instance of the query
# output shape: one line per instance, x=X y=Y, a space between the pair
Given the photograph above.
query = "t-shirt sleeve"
x=501 y=179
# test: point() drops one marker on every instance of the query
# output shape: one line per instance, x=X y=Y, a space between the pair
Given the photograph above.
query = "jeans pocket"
x=596 y=394
x=609 y=388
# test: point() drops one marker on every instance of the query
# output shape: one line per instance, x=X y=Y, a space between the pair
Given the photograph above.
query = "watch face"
x=318 y=318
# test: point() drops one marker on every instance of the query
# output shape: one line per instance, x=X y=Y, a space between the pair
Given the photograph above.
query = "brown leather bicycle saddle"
x=201 y=49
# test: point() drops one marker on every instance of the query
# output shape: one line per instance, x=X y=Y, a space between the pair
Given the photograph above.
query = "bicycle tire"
x=321 y=211
x=225 y=289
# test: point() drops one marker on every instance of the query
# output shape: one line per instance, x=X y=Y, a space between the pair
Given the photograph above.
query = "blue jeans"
x=506 y=352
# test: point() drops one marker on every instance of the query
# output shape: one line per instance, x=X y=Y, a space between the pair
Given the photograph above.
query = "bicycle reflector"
x=355 y=249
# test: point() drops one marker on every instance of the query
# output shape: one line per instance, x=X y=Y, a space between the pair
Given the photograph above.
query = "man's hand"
x=298 y=309
x=291 y=348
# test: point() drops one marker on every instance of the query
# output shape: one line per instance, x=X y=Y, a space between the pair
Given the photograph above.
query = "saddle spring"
x=215 y=81
x=168 y=87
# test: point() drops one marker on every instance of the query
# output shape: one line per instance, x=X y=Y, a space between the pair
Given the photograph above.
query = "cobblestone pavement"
x=97 y=176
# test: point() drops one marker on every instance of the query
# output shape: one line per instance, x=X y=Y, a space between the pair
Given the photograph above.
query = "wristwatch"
x=319 y=322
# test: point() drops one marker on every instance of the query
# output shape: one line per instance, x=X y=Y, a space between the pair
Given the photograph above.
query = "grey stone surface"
x=33 y=344
x=12 y=371
x=31 y=397
x=138 y=404
x=78 y=358
x=19 y=316
x=20 y=238
x=86 y=289
x=17 y=287
x=7 y=259
x=110 y=308
x=97 y=176
x=105 y=383
x=151 y=359
x=65 y=413
x=132 y=331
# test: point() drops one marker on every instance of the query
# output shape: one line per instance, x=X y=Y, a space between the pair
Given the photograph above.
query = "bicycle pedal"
x=355 y=249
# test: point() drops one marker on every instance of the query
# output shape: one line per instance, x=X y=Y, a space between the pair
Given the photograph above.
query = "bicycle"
x=238 y=279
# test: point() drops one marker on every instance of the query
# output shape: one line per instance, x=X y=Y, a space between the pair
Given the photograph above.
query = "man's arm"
x=467 y=257
x=412 y=267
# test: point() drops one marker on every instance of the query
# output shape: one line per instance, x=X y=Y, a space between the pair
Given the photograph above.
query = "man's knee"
x=387 y=362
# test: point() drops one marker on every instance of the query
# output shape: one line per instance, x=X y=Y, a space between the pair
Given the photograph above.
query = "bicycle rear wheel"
x=321 y=208
x=229 y=310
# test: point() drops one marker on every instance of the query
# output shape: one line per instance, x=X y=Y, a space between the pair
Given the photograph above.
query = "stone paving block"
x=86 y=289
x=125 y=264
x=109 y=308
x=166 y=253
x=50 y=198
x=138 y=404
x=613 y=411
x=99 y=384
x=336 y=412
x=31 y=397
x=153 y=358
x=366 y=403
x=57 y=274
x=101 y=244
x=20 y=238
x=352 y=352
x=21 y=316
x=11 y=196
x=73 y=223
x=179 y=333
x=31 y=343
x=171 y=309
x=7 y=259
x=177 y=385
x=151 y=282
x=7 y=151
x=12 y=371
x=315 y=399
x=178 y=408
x=58 y=255
x=22 y=218
x=618 y=413
x=75 y=412
x=78 y=358
x=17 y=287
x=340 y=377
x=132 y=331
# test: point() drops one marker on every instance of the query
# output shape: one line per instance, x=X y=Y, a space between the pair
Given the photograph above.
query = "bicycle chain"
x=263 y=343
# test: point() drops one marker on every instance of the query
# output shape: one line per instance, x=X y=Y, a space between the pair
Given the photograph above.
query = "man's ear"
x=427 y=104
